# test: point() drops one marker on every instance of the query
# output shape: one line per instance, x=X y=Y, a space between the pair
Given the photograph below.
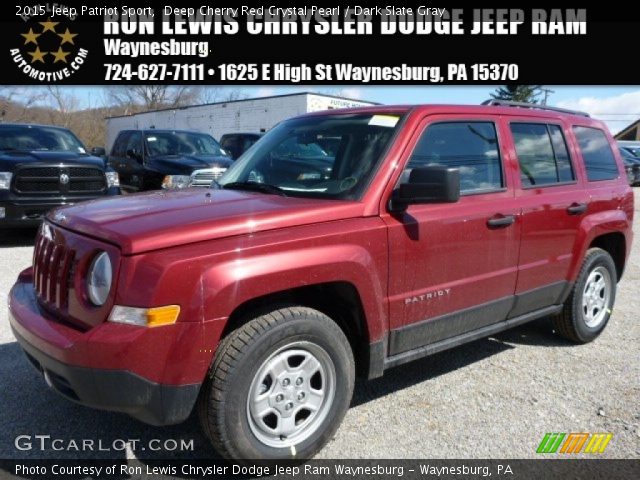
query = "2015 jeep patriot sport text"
x=258 y=301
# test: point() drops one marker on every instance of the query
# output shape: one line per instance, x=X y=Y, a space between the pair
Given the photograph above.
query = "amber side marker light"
x=145 y=317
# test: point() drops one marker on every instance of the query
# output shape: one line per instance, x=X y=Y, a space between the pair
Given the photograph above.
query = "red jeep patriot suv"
x=257 y=301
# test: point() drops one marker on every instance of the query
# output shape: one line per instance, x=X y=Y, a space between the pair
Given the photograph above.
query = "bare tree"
x=16 y=103
x=63 y=105
x=220 y=94
x=151 y=97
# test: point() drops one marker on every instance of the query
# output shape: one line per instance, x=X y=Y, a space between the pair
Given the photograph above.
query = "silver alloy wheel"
x=291 y=394
x=596 y=297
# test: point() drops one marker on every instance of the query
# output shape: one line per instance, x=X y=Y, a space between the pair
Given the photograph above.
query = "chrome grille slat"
x=204 y=177
x=52 y=265
x=63 y=279
x=54 y=270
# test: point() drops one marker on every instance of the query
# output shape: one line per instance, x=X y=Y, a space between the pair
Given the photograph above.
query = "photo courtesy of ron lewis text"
x=309 y=242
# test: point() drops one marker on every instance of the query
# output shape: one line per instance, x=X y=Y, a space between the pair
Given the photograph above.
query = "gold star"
x=60 y=55
x=37 y=55
x=49 y=25
x=67 y=37
x=30 y=37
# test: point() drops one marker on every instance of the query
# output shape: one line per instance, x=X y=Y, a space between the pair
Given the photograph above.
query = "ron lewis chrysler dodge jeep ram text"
x=257 y=301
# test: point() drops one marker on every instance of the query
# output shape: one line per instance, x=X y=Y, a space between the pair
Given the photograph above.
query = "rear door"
x=553 y=200
x=453 y=266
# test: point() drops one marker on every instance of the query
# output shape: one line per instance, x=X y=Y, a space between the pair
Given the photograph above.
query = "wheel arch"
x=609 y=230
x=339 y=300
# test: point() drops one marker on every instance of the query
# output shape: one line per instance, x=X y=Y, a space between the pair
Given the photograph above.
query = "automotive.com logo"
x=574 y=443
x=47 y=48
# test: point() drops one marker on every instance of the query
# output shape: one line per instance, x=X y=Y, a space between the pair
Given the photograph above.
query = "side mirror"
x=98 y=152
x=434 y=184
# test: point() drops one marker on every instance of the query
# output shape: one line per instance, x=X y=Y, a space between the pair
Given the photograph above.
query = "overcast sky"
x=618 y=106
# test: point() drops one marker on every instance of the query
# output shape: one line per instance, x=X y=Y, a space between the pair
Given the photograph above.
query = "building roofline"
x=626 y=129
x=186 y=107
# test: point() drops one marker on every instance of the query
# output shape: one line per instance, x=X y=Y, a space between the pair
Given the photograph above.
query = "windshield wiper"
x=255 y=187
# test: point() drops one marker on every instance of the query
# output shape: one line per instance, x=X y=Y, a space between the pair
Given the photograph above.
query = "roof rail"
x=508 y=103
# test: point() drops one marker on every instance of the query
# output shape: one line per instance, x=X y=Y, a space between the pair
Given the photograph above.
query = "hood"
x=161 y=219
x=185 y=164
x=13 y=159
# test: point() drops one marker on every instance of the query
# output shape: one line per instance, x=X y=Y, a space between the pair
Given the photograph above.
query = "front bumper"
x=29 y=211
x=58 y=352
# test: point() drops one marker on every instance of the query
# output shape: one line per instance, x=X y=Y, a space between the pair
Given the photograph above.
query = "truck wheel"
x=588 y=308
x=279 y=386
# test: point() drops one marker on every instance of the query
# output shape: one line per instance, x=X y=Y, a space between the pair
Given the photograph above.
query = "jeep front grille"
x=52 y=265
x=60 y=180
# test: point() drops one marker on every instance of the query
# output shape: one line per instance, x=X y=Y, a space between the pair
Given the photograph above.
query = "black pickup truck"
x=154 y=159
x=42 y=167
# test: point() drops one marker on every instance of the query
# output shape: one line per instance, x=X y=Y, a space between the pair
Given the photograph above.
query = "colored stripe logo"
x=574 y=443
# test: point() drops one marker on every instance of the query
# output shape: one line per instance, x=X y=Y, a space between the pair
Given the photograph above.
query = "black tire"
x=571 y=322
x=223 y=406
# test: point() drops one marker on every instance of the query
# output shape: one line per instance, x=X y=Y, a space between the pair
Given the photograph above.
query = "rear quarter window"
x=599 y=160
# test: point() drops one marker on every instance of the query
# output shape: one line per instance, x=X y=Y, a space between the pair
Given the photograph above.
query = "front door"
x=453 y=267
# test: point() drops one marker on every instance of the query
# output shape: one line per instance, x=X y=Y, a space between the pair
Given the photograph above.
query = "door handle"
x=499 y=221
x=577 y=208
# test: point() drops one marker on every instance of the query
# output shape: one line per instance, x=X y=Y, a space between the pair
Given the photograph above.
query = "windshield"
x=291 y=157
x=32 y=137
x=182 y=143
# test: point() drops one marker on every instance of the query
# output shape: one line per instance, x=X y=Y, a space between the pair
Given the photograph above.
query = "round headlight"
x=99 y=279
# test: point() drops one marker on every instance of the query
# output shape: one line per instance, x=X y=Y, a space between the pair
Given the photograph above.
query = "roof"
x=162 y=130
x=246 y=100
x=631 y=132
x=461 y=109
x=39 y=125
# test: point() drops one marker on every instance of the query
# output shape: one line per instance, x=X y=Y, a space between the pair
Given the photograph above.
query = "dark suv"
x=42 y=167
x=258 y=301
x=154 y=159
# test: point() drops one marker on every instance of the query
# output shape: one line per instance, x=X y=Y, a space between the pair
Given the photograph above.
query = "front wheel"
x=279 y=386
x=588 y=308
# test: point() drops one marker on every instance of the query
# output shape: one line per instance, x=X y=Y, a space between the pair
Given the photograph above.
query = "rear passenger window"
x=596 y=152
x=542 y=154
x=472 y=147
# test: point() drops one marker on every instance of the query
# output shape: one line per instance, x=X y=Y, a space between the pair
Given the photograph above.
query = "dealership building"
x=253 y=115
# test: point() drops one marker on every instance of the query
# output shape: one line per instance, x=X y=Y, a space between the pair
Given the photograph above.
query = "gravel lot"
x=494 y=398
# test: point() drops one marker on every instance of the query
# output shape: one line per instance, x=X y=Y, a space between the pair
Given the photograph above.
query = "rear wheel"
x=588 y=308
x=279 y=386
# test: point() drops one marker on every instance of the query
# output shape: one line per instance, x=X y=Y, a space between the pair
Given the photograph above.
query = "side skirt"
x=430 y=349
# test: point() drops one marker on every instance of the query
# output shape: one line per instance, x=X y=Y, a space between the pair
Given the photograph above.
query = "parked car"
x=42 y=167
x=166 y=159
x=631 y=166
x=630 y=146
x=238 y=143
x=258 y=301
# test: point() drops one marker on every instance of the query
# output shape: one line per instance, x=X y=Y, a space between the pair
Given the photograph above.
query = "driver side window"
x=472 y=147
